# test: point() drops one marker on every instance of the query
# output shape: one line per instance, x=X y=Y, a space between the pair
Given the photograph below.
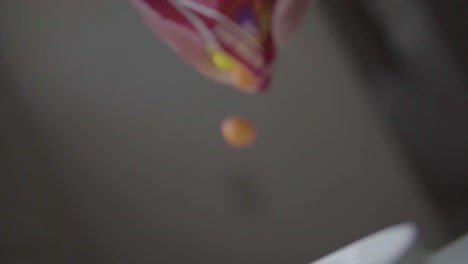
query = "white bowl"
x=393 y=245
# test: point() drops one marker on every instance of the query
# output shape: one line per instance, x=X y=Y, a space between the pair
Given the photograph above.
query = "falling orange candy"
x=238 y=132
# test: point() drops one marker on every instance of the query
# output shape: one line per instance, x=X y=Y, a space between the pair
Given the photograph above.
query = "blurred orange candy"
x=238 y=132
x=243 y=79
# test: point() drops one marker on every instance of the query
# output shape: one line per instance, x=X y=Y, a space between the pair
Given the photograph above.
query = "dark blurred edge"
x=414 y=55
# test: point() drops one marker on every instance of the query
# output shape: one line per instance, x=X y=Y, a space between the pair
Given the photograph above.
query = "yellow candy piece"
x=222 y=60
x=241 y=77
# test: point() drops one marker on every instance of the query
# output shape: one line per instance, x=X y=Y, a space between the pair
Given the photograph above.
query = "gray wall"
x=130 y=136
x=36 y=218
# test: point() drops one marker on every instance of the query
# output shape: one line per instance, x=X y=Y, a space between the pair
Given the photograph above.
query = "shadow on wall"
x=37 y=218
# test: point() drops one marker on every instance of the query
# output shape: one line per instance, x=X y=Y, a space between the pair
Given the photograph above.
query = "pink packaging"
x=226 y=40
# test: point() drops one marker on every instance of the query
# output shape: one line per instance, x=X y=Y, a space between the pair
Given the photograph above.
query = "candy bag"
x=226 y=40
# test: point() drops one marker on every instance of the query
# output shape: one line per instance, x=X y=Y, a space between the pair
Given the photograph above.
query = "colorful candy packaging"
x=226 y=40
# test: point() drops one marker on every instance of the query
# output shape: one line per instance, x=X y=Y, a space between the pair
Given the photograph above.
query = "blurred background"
x=110 y=149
